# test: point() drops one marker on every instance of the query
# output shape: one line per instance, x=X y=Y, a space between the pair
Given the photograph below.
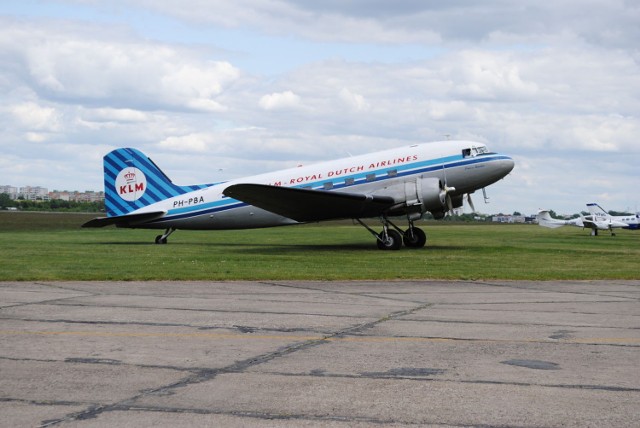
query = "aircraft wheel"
x=160 y=240
x=417 y=239
x=392 y=241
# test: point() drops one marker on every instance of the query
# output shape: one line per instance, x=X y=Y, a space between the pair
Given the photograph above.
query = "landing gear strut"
x=162 y=239
x=392 y=237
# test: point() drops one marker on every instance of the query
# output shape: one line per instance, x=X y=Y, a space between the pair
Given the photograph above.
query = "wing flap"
x=130 y=220
x=305 y=205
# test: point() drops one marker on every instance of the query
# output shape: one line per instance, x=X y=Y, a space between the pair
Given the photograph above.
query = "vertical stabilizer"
x=597 y=211
x=132 y=181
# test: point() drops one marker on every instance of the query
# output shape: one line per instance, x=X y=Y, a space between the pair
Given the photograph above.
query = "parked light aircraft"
x=598 y=219
x=409 y=181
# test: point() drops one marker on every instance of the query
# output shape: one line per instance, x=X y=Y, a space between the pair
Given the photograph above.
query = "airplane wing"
x=130 y=220
x=604 y=225
x=305 y=205
x=591 y=224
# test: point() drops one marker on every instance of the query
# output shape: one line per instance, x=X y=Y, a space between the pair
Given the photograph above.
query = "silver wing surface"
x=306 y=205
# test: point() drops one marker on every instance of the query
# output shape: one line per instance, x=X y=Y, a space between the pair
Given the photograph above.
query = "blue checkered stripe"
x=159 y=186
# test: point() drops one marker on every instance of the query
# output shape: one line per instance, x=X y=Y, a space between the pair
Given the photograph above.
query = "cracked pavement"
x=399 y=353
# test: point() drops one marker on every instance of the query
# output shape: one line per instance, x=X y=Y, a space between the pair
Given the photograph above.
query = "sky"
x=214 y=90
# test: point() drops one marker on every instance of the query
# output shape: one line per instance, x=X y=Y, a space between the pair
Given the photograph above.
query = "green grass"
x=40 y=246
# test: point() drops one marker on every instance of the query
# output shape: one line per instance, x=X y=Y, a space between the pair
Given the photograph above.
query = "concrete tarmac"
x=340 y=354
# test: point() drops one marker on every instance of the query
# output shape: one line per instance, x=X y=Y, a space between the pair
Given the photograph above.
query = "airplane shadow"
x=258 y=248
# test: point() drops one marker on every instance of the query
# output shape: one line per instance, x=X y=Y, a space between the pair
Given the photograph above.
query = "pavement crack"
x=204 y=375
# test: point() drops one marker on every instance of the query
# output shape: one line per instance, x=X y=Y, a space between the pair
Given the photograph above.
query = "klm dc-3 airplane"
x=407 y=182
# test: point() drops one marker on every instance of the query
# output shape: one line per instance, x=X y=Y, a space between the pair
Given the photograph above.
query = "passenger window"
x=392 y=173
x=328 y=186
x=349 y=181
x=371 y=177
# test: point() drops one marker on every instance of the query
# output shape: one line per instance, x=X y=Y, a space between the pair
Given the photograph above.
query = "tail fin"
x=132 y=181
x=597 y=211
x=545 y=220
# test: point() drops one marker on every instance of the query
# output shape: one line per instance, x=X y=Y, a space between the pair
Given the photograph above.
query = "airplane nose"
x=507 y=165
x=502 y=166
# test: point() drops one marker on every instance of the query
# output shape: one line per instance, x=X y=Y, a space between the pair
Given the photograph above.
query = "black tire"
x=392 y=241
x=159 y=240
x=417 y=239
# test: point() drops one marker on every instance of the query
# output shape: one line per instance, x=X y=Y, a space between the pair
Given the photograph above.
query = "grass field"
x=51 y=246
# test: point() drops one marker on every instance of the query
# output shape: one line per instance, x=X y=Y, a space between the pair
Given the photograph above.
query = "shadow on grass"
x=280 y=249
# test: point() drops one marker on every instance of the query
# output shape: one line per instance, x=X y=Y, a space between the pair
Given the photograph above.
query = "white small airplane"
x=598 y=219
x=408 y=181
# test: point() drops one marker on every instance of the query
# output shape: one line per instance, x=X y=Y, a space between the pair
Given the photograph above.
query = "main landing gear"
x=162 y=239
x=392 y=237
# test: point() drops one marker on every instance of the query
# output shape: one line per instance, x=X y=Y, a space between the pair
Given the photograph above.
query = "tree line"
x=51 y=205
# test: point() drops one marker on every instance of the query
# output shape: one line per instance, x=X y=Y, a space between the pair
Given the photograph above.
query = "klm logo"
x=131 y=184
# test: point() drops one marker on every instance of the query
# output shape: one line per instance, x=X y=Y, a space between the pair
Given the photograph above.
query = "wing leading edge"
x=305 y=205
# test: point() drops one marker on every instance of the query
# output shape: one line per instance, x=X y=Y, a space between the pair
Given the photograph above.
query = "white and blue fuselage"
x=412 y=180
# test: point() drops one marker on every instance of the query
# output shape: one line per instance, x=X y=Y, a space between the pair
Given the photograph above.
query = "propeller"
x=470 y=202
x=446 y=189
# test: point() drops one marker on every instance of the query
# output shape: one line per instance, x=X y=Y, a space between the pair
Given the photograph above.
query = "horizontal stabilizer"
x=130 y=220
x=545 y=220
x=305 y=205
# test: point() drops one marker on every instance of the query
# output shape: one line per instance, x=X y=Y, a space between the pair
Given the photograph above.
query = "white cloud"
x=490 y=76
x=186 y=143
x=35 y=117
x=74 y=66
x=121 y=115
x=558 y=90
x=278 y=101
x=354 y=101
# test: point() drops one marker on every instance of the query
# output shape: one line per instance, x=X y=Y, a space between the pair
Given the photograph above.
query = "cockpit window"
x=474 y=151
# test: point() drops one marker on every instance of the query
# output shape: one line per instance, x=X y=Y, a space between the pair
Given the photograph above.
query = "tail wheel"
x=414 y=238
x=391 y=240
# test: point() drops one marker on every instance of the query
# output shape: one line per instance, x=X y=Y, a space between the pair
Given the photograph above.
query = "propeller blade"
x=473 y=209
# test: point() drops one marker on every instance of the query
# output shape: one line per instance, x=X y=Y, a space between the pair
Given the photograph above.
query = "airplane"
x=598 y=219
x=408 y=181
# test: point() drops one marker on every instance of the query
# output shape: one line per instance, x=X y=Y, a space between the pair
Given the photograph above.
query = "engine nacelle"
x=426 y=194
x=432 y=196
x=416 y=197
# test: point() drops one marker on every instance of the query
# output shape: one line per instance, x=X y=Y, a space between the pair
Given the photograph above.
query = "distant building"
x=75 y=196
x=63 y=196
x=33 y=193
x=10 y=190
x=37 y=193
x=507 y=218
